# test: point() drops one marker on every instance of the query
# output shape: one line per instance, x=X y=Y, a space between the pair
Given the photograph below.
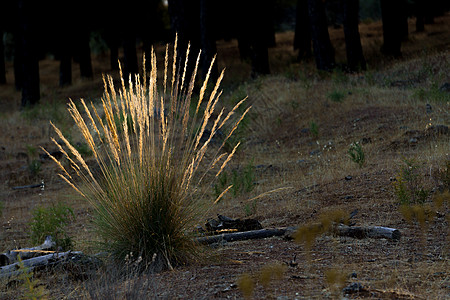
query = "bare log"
x=25 y=253
x=289 y=232
x=30 y=264
x=375 y=232
x=240 y=236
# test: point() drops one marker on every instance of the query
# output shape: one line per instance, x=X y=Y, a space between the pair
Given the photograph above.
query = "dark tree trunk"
x=65 y=69
x=323 y=50
x=17 y=61
x=130 y=63
x=27 y=47
x=2 y=60
x=419 y=11
x=208 y=39
x=185 y=21
x=393 y=26
x=83 y=53
x=355 y=57
x=302 y=38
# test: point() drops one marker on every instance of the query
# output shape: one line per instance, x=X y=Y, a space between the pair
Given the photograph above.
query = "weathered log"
x=31 y=186
x=240 y=236
x=289 y=232
x=368 y=232
x=25 y=253
x=35 y=262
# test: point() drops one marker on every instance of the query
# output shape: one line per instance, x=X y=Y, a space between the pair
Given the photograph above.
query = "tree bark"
x=355 y=57
x=185 y=21
x=2 y=60
x=302 y=38
x=419 y=10
x=393 y=26
x=208 y=39
x=27 y=51
x=240 y=236
x=323 y=50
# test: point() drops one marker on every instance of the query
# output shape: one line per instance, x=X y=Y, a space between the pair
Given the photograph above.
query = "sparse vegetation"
x=52 y=220
x=390 y=121
x=356 y=154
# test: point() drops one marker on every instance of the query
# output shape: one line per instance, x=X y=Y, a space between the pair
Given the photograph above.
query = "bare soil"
x=384 y=109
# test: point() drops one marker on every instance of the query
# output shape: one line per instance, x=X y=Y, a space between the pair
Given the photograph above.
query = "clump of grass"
x=144 y=191
x=242 y=181
x=356 y=154
x=336 y=96
x=408 y=186
x=314 y=129
x=52 y=221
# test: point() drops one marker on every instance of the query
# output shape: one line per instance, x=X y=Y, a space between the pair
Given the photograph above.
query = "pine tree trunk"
x=208 y=39
x=393 y=26
x=27 y=47
x=323 y=50
x=2 y=60
x=355 y=57
x=302 y=38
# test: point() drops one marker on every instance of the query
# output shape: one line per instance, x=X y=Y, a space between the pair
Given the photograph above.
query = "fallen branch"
x=32 y=263
x=289 y=232
x=240 y=236
x=25 y=253
x=31 y=186
x=375 y=232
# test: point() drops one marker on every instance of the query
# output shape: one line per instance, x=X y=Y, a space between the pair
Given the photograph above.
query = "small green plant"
x=314 y=129
x=52 y=221
x=34 y=164
x=356 y=154
x=408 y=185
x=250 y=208
x=32 y=288
x=336 y=96
x=242 y=181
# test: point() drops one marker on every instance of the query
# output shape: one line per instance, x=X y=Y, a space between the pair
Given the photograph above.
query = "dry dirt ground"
x=296 y=140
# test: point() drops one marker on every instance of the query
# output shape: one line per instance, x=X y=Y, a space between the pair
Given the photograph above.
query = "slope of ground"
x=297 y=139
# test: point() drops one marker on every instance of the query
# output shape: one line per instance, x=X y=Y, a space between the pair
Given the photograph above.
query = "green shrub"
x=408 y=185
x=356 y=154
x=336 y=96
x=145 y=192
x=52 y=221
x=241 y=181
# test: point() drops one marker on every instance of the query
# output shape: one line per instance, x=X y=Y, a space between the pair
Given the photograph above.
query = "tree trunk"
x=323 y=50
x=65 y=69
x=419 y=10
x=27 y=47
x=208 y=39
x=83 y=53
x=393 y=26
x=2 y=60
x=302 y=38
x=355 y=57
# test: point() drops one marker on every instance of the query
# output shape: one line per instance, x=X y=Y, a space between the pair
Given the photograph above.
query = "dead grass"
x=381 y=108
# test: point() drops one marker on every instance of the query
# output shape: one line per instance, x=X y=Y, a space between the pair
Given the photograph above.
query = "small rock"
x=314 y=152
x=348 y=177
x=348 y=197
x=445 y=87
x=413 y=140
x=438 y=129
x=353 y=288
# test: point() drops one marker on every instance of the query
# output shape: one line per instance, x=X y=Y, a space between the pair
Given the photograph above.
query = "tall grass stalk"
x=151 y=160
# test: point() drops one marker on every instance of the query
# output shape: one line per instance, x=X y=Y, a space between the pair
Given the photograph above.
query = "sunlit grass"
x=151 y=159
